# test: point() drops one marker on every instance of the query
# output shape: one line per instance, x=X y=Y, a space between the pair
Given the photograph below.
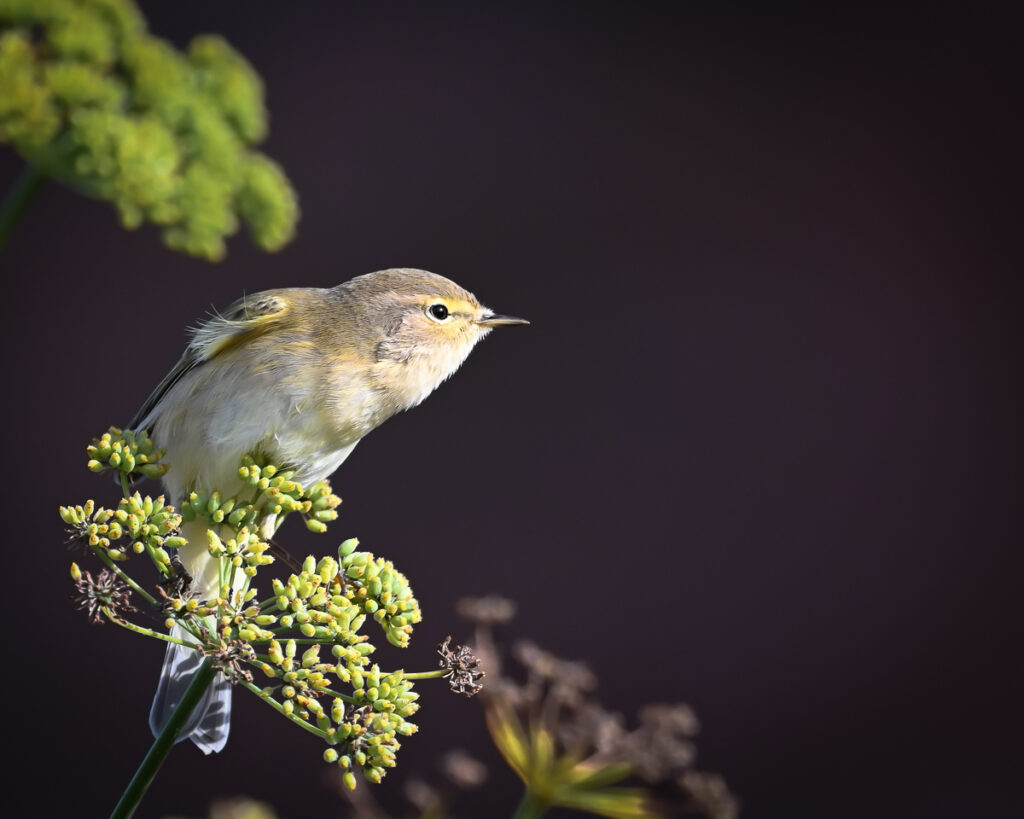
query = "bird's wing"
x=248 y=317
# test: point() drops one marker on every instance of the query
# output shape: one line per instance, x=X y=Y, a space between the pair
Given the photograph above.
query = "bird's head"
x=421 y=325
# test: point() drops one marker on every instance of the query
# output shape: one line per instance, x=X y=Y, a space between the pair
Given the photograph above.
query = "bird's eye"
x=438 y=311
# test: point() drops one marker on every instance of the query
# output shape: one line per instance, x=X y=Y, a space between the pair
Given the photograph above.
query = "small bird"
x=299 y=375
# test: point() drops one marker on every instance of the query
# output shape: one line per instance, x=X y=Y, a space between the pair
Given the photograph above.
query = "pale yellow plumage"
x=301 y=375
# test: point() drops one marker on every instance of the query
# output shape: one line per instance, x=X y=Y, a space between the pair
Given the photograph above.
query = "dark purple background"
x=758 y=451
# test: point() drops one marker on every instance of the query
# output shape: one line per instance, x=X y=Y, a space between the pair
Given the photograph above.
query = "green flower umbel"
x=304 y=639
x=91 y=99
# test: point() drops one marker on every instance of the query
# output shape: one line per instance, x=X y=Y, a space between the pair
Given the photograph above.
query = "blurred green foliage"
x=90 y=98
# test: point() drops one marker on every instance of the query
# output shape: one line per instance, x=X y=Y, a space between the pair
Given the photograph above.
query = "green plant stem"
x=423 y=675
x=147 y=632
x=296 y=640
x=530 y=806
x=280 y=709
x=164 y=742
x=245 y=589
x=117 y=570
x=18 y=199
x=339 y=695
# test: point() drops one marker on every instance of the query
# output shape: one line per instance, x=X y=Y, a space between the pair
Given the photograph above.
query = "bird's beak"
x=494 y=320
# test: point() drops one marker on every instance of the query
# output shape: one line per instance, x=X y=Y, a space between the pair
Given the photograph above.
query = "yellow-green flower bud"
x=311 y=656
x=315 y=525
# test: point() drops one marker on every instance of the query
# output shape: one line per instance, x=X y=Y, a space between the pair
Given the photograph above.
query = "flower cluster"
x=305 y=636
x=142 y=523
x=275 y=496
x=95 y=101
x=321 y=610
x=131 y=453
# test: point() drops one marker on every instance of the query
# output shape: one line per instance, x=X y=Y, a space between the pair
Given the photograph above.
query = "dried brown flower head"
x=105 y=591
x=231 y=657
x=463 y=673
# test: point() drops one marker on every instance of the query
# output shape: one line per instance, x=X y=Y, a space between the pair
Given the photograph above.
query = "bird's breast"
x=207 y=423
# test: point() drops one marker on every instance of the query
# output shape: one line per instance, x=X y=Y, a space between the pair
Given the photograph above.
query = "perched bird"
x=299 y=375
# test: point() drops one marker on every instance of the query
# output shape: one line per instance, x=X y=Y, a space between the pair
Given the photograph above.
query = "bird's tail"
x=208 y=725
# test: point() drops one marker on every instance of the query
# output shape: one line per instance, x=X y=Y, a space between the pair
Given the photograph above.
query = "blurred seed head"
x=463 y=770
x=486 y=611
